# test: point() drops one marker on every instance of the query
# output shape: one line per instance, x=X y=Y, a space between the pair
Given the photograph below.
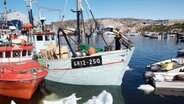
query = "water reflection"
x=7 y=100
x=86 y=92
x=52 y=91
x=169 y=92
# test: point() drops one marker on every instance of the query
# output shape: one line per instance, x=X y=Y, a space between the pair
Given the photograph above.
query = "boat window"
x=1 y=54
x=33 y=38
x=29 y=52
x=16 y=53
x=52 y=36
x=24 y=53
x=7 y=54
x=39 y=38
x=47 y=37
x=108 y=29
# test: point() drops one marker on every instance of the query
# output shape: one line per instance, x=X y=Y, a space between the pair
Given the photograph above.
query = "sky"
x=142 y=9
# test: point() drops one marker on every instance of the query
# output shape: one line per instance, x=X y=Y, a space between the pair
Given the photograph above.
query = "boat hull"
x=20 y=79
x=19 y=89
x=114 y=65
x=169 y=84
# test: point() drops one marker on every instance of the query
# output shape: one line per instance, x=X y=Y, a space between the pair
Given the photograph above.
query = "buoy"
x=148 y=74
x=27 y=26
x=146 y=88
x=91 y=51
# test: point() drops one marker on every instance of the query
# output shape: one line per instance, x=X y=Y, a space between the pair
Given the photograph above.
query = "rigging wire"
x=96 y=23
x=64 y=10
x=88 y=15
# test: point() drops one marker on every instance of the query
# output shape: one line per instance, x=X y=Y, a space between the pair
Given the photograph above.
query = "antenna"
x=42 y=19
x=49 y=9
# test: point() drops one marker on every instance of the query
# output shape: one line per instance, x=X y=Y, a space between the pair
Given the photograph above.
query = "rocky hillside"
x=124 y=24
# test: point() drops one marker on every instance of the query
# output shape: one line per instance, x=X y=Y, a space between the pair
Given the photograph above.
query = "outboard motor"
x=154 y=68
x=148 y=77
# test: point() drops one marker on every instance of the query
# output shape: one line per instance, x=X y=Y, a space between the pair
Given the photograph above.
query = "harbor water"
x=147 y=51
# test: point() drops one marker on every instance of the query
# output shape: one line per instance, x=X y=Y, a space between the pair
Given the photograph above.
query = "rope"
x=87 y=4
x=66 y=2
x=63 y=73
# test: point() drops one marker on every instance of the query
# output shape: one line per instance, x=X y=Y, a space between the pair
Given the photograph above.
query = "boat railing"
x=12 y=69
x=32 y=70
x=5 y=44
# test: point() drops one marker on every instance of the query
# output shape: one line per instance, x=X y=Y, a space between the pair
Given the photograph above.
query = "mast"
x=78 y=19
x=5 y=13
x=29 y=5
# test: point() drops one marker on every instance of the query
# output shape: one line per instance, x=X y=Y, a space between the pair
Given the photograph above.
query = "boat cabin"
x=15 y=52
x=41 y=40
x=108 y=30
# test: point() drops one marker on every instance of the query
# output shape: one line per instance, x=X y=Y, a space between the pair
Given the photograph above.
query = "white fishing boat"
x=175 y=64
x=171 y=65
x=88 y=65
x=155 y=35
x=167 y=74
x=147 y=34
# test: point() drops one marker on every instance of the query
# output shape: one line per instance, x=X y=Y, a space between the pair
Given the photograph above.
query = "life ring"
x=16 y=54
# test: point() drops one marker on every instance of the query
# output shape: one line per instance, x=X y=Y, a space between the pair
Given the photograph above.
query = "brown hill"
x=124 y=24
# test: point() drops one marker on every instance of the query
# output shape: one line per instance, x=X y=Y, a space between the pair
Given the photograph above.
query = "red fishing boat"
x=20 y=75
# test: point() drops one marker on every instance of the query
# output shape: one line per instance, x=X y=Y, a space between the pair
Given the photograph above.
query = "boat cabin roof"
x=5 y=47
x=44 y=33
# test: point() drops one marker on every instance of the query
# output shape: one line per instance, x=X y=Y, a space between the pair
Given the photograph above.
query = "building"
x=14 y=19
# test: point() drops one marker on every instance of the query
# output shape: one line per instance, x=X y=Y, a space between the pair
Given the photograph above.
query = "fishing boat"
x=166 y=72
x=86 y=64
x=173 y=65
x=180 y=37
x=167 y=65
x=147 y=34
x=20 y=75
x=155 y=35
x=180 y=52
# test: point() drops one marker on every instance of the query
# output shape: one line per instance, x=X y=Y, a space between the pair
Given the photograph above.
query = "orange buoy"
x=91 y=51
x=27 y=26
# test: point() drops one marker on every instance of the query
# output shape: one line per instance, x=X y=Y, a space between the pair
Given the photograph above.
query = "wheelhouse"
x=42 y=39
x=10 y=53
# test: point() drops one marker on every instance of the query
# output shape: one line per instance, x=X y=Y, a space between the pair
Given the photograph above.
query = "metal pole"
x=78 y=20
x=5 y=13
x=64 y=34
x=30 y=12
